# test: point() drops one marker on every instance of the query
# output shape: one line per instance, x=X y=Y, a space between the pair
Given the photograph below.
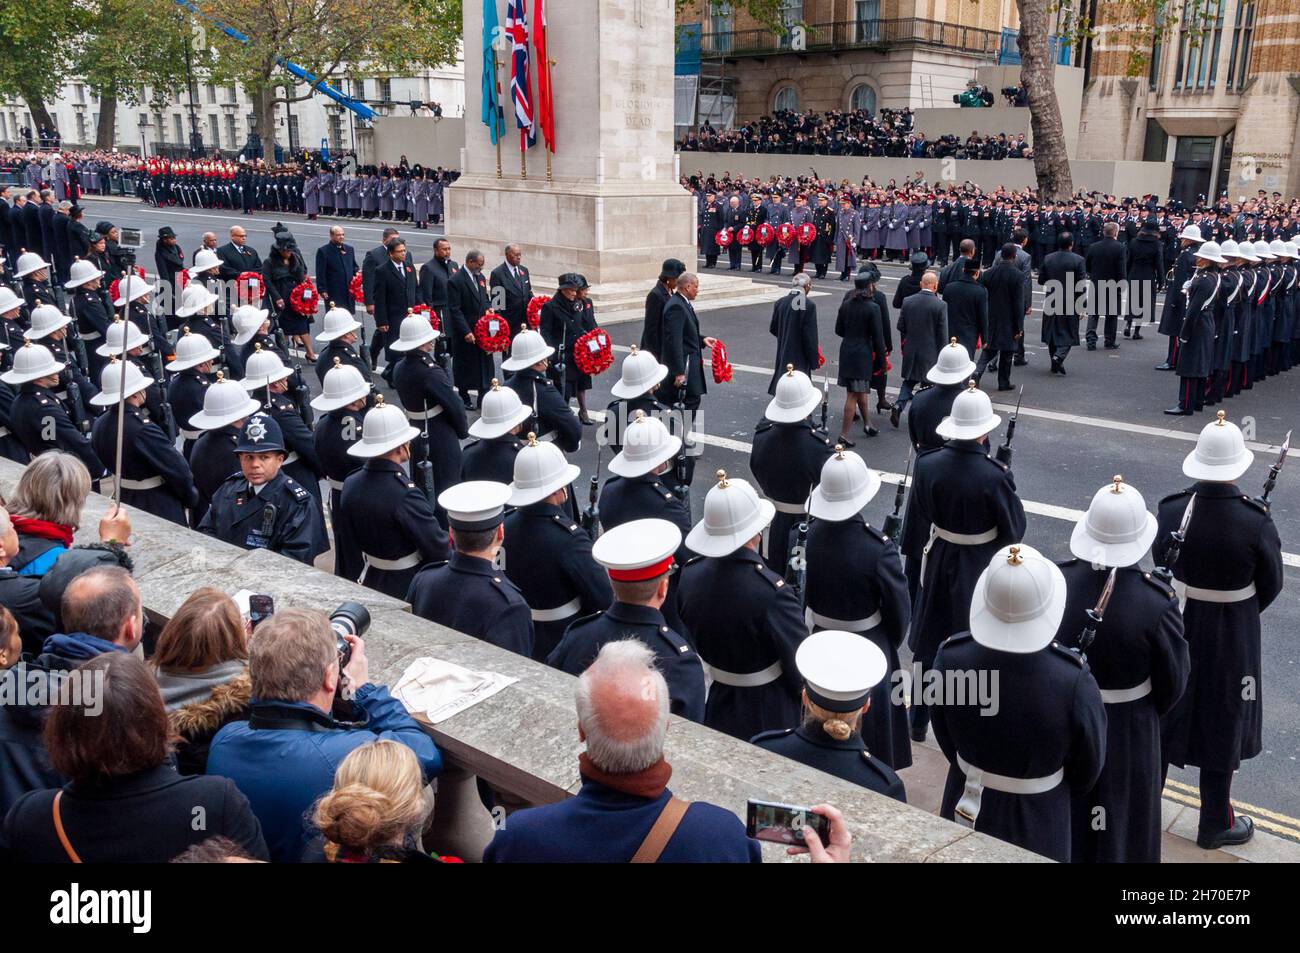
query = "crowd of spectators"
x=850 y=133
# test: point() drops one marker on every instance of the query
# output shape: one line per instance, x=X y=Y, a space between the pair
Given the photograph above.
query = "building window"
x=81 y=128
x=1242 y=31
x=232 y=94
x=336 y=131
x=863 y=98
x=293 y=133
x=1156 y=45
x=214 y=131
x=867 y=21
x=4 y=129
x=1198 y=47
x=791 y=16
x=786 y=98
x=1156 y=145
x=212 y=95
x=722 y=26
x=232 y=134
x=386 y=90
x=81 y=93
x=178 y=130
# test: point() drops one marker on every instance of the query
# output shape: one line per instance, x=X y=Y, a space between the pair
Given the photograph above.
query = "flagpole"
x=497 y=122
x=550 y=89
x=523 y=153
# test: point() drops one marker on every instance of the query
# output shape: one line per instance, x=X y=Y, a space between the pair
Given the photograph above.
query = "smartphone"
x=783 y=823
x=130 y=237
x=260 y=608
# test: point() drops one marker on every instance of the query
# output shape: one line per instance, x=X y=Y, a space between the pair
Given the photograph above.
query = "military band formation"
x=1060 y=694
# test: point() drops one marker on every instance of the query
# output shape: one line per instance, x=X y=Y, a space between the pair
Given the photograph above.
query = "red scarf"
x=649 y=783
x=44 y=529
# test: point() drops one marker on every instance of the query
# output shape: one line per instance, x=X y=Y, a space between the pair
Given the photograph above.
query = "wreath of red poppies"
x=746 y=236
x=785 y=234
x=534 y=312
x=765 y=234
x=432 y=315
x=593 y=352
x=355 y=289
x=249 y=287
x=494 y=342
x=304 y=298
x=723 y=237
x=721 y=366
x=113 y=287
x=806 y=233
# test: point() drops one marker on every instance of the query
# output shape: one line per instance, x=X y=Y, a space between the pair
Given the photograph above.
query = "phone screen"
x=783 y=823
x=260 y=608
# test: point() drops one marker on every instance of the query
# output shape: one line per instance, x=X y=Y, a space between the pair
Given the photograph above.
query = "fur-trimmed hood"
x=206 y=716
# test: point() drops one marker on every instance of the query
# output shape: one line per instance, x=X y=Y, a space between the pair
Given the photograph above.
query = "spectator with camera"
x=124 y=801
x=312 y=704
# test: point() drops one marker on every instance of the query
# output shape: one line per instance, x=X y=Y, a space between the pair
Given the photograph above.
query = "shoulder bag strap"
x=63 y=835
x=655 y=841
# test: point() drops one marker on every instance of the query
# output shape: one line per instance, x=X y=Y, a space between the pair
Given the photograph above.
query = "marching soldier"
x=547 y=555
x=340 y=336
x=1226 y=562
x=37 y=418
x=854 y=583
x=341 y=402
x=742 y=618
x=226 y=406
x=155 y=477
x=191 y=377
x=968 y=500
x=633 y=392
x=491 y=454
x=1196 y=333
x=639 y=557
x=787 y=458
x=552 y=420
x=262 y=507
x=1136 y=651
x=385 y=527
x=1018 y=751
x=469 y=593
x=431 y=403
x=841 y=673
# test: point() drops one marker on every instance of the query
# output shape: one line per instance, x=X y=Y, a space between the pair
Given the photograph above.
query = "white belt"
x=548 y=437
x=290 y=458
x=409 y=561
x=855 y=625
x=4 y=432
x=959 y=539
x=1186 y=592
x=152 y=483
x=796 y=509
x=559 y=612
x=191 y=434
x=424 y=414
x=968 y=807
x=748 y=680
x=334 y=484
x=90 y=335
x=1118 y=696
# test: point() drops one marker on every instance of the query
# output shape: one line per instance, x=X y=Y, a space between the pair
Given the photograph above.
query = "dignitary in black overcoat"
x=1006 y=303
x=794 y=325
x=652 y=330
x=1146 y=277
x=968 y=307
x=922 y=327
x=394 y=292
x=840 y=673
x=823 y=246
x=733 y=219
x=1018 y=752
x=1227 y=571
x=638 y=557
x=467 y=301
x=861 y=328
x=565 y=318
x=1064 y=273
x=1139 y=658
x=787 y=459
x=855 y=584
x=711 y=222
x=470 y=593
x=968 y=502
x=742 y=618
x=336 y=263
x=1107 y=265
x=516 y=288
x=684 y=344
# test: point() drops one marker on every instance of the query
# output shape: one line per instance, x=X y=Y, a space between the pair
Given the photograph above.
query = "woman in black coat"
x=170 y=262
x=564 y=319
x=124 y=802
x=862 y=353
x=1146 y=277
x=283 y=271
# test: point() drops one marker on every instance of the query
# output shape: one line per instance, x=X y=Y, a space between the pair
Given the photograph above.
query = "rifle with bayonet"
x=826 y=397
x=76 y=409
x=591 y=516
x=681 y=466
x=74 y=336
x=1176 y=539
x=894 y=521
x=1004 y=452
x=424 y=466
x=1275 y=469
x=796 y=566
x=1096 y=614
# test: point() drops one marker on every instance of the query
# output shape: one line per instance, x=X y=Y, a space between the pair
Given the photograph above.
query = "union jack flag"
x=520 y=90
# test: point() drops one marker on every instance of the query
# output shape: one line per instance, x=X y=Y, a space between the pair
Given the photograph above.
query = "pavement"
x=1073 y=435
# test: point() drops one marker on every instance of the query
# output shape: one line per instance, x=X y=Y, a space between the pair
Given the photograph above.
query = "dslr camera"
x=351 y=618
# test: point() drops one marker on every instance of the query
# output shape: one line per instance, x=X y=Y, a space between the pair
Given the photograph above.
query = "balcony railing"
x=853 y=34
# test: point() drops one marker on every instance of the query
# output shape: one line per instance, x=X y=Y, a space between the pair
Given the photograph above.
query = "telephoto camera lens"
x=351 y=618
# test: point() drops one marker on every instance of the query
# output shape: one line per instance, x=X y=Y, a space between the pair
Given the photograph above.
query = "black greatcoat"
x=862 y=348
x=147 y=453
x=467 y=301
x=794 y=325
x=683 y=346
x=850 y=759
x=786 y=463
x=968 y=312
x=1006 y=305
x=1061 y=319
x=471 y=595
x=922 y=330
x=1196 y=338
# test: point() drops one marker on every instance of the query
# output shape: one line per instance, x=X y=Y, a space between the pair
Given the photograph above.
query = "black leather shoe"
x=843 y=441
x=870 y=431
x=1177 y=412
x=1242 y=830
x=893 y=417
x=1111 y=347
x=1127 y=332
x=1007 y=387
x=918 y=728
x=1092 y=347
x=1137 y=335
x=1060 y=368
x=1020 y=362
x=1166 y=366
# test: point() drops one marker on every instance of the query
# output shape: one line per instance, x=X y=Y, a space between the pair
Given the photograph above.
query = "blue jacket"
x=600 y=825
x=284 y=758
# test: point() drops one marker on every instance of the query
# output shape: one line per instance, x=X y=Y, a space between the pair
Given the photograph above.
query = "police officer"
x=262 y=507
x=547 y=554
x=841 y=672
x=340 y=337
x=470 y=593
x=742 y=618
x=155 y=477
x=1139 y=658
x=552 y=419
x=1018 y=751
x=431 y=402
x=634 y=390
x=341 y=404
x=385 y=527
x=1226 y=571
x=787 y=458
x=639 y=558
x=968 y=500
x=491 y=454
x=226 y=406
x=854 y=583
x=191 y=377
x=37 y=418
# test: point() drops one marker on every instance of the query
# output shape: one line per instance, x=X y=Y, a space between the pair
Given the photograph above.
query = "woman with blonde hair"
x=201 y=663
x=378 y=809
